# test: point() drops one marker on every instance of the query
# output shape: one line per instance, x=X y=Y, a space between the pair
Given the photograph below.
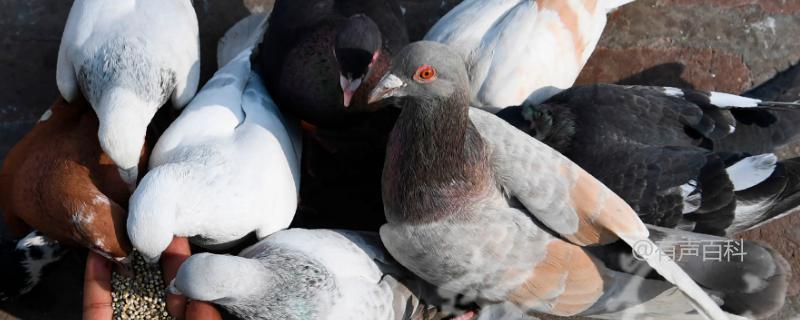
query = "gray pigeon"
x=480 y=208
x=304 y=274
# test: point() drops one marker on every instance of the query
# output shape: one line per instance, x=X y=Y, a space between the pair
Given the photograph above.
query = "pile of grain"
x=142 y=296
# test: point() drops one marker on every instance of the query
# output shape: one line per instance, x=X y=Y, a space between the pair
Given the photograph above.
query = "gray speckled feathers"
x=305 y=274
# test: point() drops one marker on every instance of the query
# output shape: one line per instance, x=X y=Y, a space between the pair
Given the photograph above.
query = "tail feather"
x=750 y=281
x=777 y=105
x=738 y=192
x=245 y=35
x=774 y=197
x=670 y=271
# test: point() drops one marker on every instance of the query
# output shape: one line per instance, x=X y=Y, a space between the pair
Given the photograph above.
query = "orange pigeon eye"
x=425 y=74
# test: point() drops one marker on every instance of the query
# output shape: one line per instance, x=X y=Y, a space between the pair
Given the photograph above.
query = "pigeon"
x=314 y=55
x=680 y=158
x=25 y=261
x=128 y=58
x=303 y=274
x=320 y=57
x=227 y=167
x=57 y=180
x=522 y=49
x=479 y=208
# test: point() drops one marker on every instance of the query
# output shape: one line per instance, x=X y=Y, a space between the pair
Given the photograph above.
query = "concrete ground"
x=725 y=45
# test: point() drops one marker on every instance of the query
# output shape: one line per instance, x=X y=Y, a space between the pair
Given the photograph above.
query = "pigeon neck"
x=436 y=161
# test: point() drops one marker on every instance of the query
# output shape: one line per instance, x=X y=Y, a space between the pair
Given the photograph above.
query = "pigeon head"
x=222 y=279
x=357 y=47
x=424 y=71
x=151 y=216
x=124 y=118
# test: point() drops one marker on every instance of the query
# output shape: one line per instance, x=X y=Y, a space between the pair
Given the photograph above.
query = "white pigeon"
x=227 y=167
x=304 y=274
x=518 y=49
x=128 y=58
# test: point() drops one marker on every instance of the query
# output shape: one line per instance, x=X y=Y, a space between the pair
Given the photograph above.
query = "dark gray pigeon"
x=681 y=158
x=480 y=208
x=320 y=58
x=306 y=274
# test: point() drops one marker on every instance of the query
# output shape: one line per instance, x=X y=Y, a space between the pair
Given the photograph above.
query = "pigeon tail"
x=774 y=197
x=747 y=278
x=245 y=35
x=673 y=273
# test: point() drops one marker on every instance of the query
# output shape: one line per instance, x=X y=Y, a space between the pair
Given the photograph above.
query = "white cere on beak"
x=387 y=87
x=391 y=81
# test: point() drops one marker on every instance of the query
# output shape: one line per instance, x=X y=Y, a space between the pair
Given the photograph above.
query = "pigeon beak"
x=172 y=289
x=151 y=260
x=129 y=176
x=349 y=88
x=389 y=86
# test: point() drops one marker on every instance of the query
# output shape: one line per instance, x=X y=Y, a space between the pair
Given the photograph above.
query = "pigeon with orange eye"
x=426 y=82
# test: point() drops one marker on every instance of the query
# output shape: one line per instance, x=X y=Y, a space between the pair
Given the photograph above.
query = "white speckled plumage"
x=228 y=166
x=319 y=274
x=128 y=58
x=522 y=49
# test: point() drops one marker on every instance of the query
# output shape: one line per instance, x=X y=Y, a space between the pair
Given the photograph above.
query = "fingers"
x=97 y=288
x=199 y=310
x=172 y=258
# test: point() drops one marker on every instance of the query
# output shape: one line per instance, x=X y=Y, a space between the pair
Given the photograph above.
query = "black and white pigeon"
x=479 y=208
x=320 y=58
x=305 y=274
x=681 y=158
x=23 y=262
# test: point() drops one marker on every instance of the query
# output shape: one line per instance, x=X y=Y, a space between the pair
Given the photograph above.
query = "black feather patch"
x=761 y=118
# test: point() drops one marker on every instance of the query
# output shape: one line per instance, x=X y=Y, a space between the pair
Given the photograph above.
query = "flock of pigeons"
x=491 y=185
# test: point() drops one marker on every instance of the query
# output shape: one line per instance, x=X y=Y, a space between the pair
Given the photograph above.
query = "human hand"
x=97 y=300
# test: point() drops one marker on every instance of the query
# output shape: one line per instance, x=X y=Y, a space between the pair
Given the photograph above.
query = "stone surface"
x=725 y=45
